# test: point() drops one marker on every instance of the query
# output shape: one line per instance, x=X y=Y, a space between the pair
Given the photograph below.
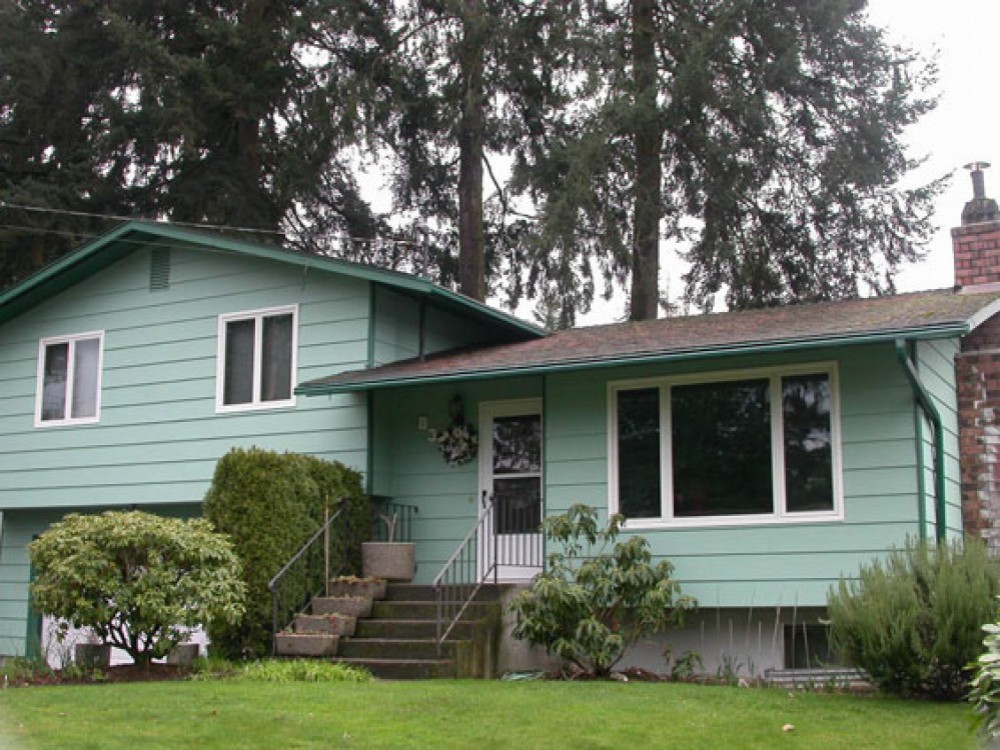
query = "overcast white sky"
x=965 y=126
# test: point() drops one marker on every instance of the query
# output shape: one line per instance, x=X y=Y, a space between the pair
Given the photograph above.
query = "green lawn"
x=479 y=715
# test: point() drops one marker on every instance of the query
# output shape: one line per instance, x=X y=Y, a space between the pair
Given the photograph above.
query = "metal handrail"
x=464 y=574
x=453 y=580
x=275 y=583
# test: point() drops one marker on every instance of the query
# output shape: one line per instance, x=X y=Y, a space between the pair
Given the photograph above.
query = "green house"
x=767 y=453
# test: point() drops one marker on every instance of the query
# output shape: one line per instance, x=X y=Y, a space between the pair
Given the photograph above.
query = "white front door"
x=510 y=483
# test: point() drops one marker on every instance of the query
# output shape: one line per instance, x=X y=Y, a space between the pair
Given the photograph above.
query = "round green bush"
x=138 y=580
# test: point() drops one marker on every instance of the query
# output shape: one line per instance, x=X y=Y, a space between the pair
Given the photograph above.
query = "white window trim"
x=779 y=515
x=220 y=359
x=70 y=372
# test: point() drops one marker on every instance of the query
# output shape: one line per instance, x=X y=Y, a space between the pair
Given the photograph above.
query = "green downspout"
x=934 y=417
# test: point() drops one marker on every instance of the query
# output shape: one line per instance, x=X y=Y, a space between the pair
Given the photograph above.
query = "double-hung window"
x=257 y=359
x=750 y=447
x=69 y=379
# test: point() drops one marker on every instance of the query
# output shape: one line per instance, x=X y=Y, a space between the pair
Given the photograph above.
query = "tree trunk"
x=471 y=251
x=647 y=137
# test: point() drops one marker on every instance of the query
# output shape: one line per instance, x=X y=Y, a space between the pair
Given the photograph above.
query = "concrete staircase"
x=396 y=637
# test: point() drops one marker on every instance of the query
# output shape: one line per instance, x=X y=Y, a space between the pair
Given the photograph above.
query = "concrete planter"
x=373 y=588
x=394 y=561
x=92 y=655
x=183 y=654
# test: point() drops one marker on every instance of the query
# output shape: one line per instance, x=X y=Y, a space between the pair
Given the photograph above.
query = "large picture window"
x=256 y=359
x=69 y=379
x=724 y=448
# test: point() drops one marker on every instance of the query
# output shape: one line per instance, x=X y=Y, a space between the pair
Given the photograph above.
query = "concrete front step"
x=306 y=644
x=329 y=624
x=404 y=669
x=418 y=592
x=414 y=629
x=393 y=648
x=351 y=606
x=393 y=609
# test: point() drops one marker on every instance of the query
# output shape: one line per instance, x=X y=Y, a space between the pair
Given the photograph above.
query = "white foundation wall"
x=58 y=653
x=730 y=642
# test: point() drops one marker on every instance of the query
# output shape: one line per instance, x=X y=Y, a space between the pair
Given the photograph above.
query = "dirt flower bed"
x=22 y=675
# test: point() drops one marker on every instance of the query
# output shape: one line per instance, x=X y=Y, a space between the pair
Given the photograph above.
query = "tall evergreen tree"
x=451 y=86
x=777 y=126
x=216 y=111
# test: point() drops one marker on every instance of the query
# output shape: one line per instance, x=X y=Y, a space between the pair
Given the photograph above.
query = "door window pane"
x=721 y=438
x=806 y=403
x=276 y=359
x=517 y=444
x=639 y=453
x=238 y=384
x=55 y=373
x=517 y=504
x=85 y=371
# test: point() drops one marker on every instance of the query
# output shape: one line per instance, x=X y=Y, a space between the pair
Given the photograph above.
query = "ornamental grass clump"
x=597 y=596
x=912 y=621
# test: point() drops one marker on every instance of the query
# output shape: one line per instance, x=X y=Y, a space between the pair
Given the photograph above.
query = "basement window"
x=808 y=647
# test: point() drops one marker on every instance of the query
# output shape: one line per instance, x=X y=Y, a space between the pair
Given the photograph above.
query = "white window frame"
x=780 y=514
x=70 y=378
x=220 y=370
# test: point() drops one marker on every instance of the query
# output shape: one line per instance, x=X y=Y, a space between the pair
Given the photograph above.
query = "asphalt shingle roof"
x=823 y=322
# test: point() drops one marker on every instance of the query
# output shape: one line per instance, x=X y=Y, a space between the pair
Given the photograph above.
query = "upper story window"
x=69 y=379
x=256 y=359
x=724 y=448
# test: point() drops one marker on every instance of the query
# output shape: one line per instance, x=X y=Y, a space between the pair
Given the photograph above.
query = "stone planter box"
x=352 y=606
x=373 y=588
x=92 y=655
x=394 y=561
x=183 y=654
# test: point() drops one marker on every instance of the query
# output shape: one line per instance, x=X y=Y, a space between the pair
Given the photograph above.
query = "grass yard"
x=455 y=714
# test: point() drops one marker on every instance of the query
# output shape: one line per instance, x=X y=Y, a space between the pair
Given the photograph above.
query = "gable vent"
x=159 y=269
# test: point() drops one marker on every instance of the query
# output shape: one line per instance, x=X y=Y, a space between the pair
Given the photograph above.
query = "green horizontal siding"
x=159 y=435
x=766 y=565
x=936 y=367
x=410 y=469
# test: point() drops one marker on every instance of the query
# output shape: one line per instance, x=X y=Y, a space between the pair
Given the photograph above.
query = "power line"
x=189 y=224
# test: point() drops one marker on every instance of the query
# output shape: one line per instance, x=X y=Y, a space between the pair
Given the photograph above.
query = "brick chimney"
x=977 y=242
x=977 y=367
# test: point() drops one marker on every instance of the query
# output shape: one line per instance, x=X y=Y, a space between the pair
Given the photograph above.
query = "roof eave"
x=24 y=295
x=751 y=347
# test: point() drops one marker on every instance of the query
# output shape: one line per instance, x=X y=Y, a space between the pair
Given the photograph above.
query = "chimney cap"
x=980 y=208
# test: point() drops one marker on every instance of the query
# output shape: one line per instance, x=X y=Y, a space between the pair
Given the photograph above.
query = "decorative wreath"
x=458 y=443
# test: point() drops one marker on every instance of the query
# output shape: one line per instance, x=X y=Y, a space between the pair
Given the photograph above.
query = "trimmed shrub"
x=912 y=621
x=139 y=581
x=270 y=504
x=592 y=603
